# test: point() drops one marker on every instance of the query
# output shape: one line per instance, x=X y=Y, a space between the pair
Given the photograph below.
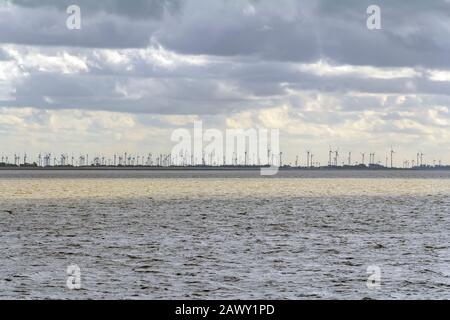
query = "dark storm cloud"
x=105 y=24
x=414 y=33
x=47 y=26
x=134 y=9
x=264 y=31
x=252 y=51
x=165 y=96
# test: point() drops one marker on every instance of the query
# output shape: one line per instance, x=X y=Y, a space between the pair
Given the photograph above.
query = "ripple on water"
x=225 y=238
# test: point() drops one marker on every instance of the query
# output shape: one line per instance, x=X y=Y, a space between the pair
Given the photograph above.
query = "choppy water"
x=214 y=235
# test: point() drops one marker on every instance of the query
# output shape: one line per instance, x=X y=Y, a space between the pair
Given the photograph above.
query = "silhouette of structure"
x=185 y=159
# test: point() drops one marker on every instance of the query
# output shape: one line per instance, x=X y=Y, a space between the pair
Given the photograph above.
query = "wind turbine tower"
x=329 y=157
x=392 y=157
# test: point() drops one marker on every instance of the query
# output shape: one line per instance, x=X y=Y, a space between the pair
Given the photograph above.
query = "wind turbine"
x=329 y=156
x=392 y=157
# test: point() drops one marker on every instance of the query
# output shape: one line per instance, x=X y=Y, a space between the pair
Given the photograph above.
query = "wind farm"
x=168 y=161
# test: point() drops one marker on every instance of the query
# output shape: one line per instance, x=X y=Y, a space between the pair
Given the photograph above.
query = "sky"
x=138 y=70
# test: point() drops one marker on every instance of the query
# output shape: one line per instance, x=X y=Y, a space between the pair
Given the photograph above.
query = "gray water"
x=225 y=235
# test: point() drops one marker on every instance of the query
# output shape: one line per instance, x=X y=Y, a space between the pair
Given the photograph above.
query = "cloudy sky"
x=139 y=69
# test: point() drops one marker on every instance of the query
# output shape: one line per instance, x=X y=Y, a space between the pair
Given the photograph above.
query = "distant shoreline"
x=216 y=168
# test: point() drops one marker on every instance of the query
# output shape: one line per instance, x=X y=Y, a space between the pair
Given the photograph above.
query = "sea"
x=210 y=234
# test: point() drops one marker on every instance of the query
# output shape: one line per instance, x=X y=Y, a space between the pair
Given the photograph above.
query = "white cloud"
x=323 y=68
x=439 y=75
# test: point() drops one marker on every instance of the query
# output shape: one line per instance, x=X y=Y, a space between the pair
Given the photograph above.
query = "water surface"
x=214 y=235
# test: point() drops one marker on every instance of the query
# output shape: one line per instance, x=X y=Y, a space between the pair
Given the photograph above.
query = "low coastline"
x=221 y=168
